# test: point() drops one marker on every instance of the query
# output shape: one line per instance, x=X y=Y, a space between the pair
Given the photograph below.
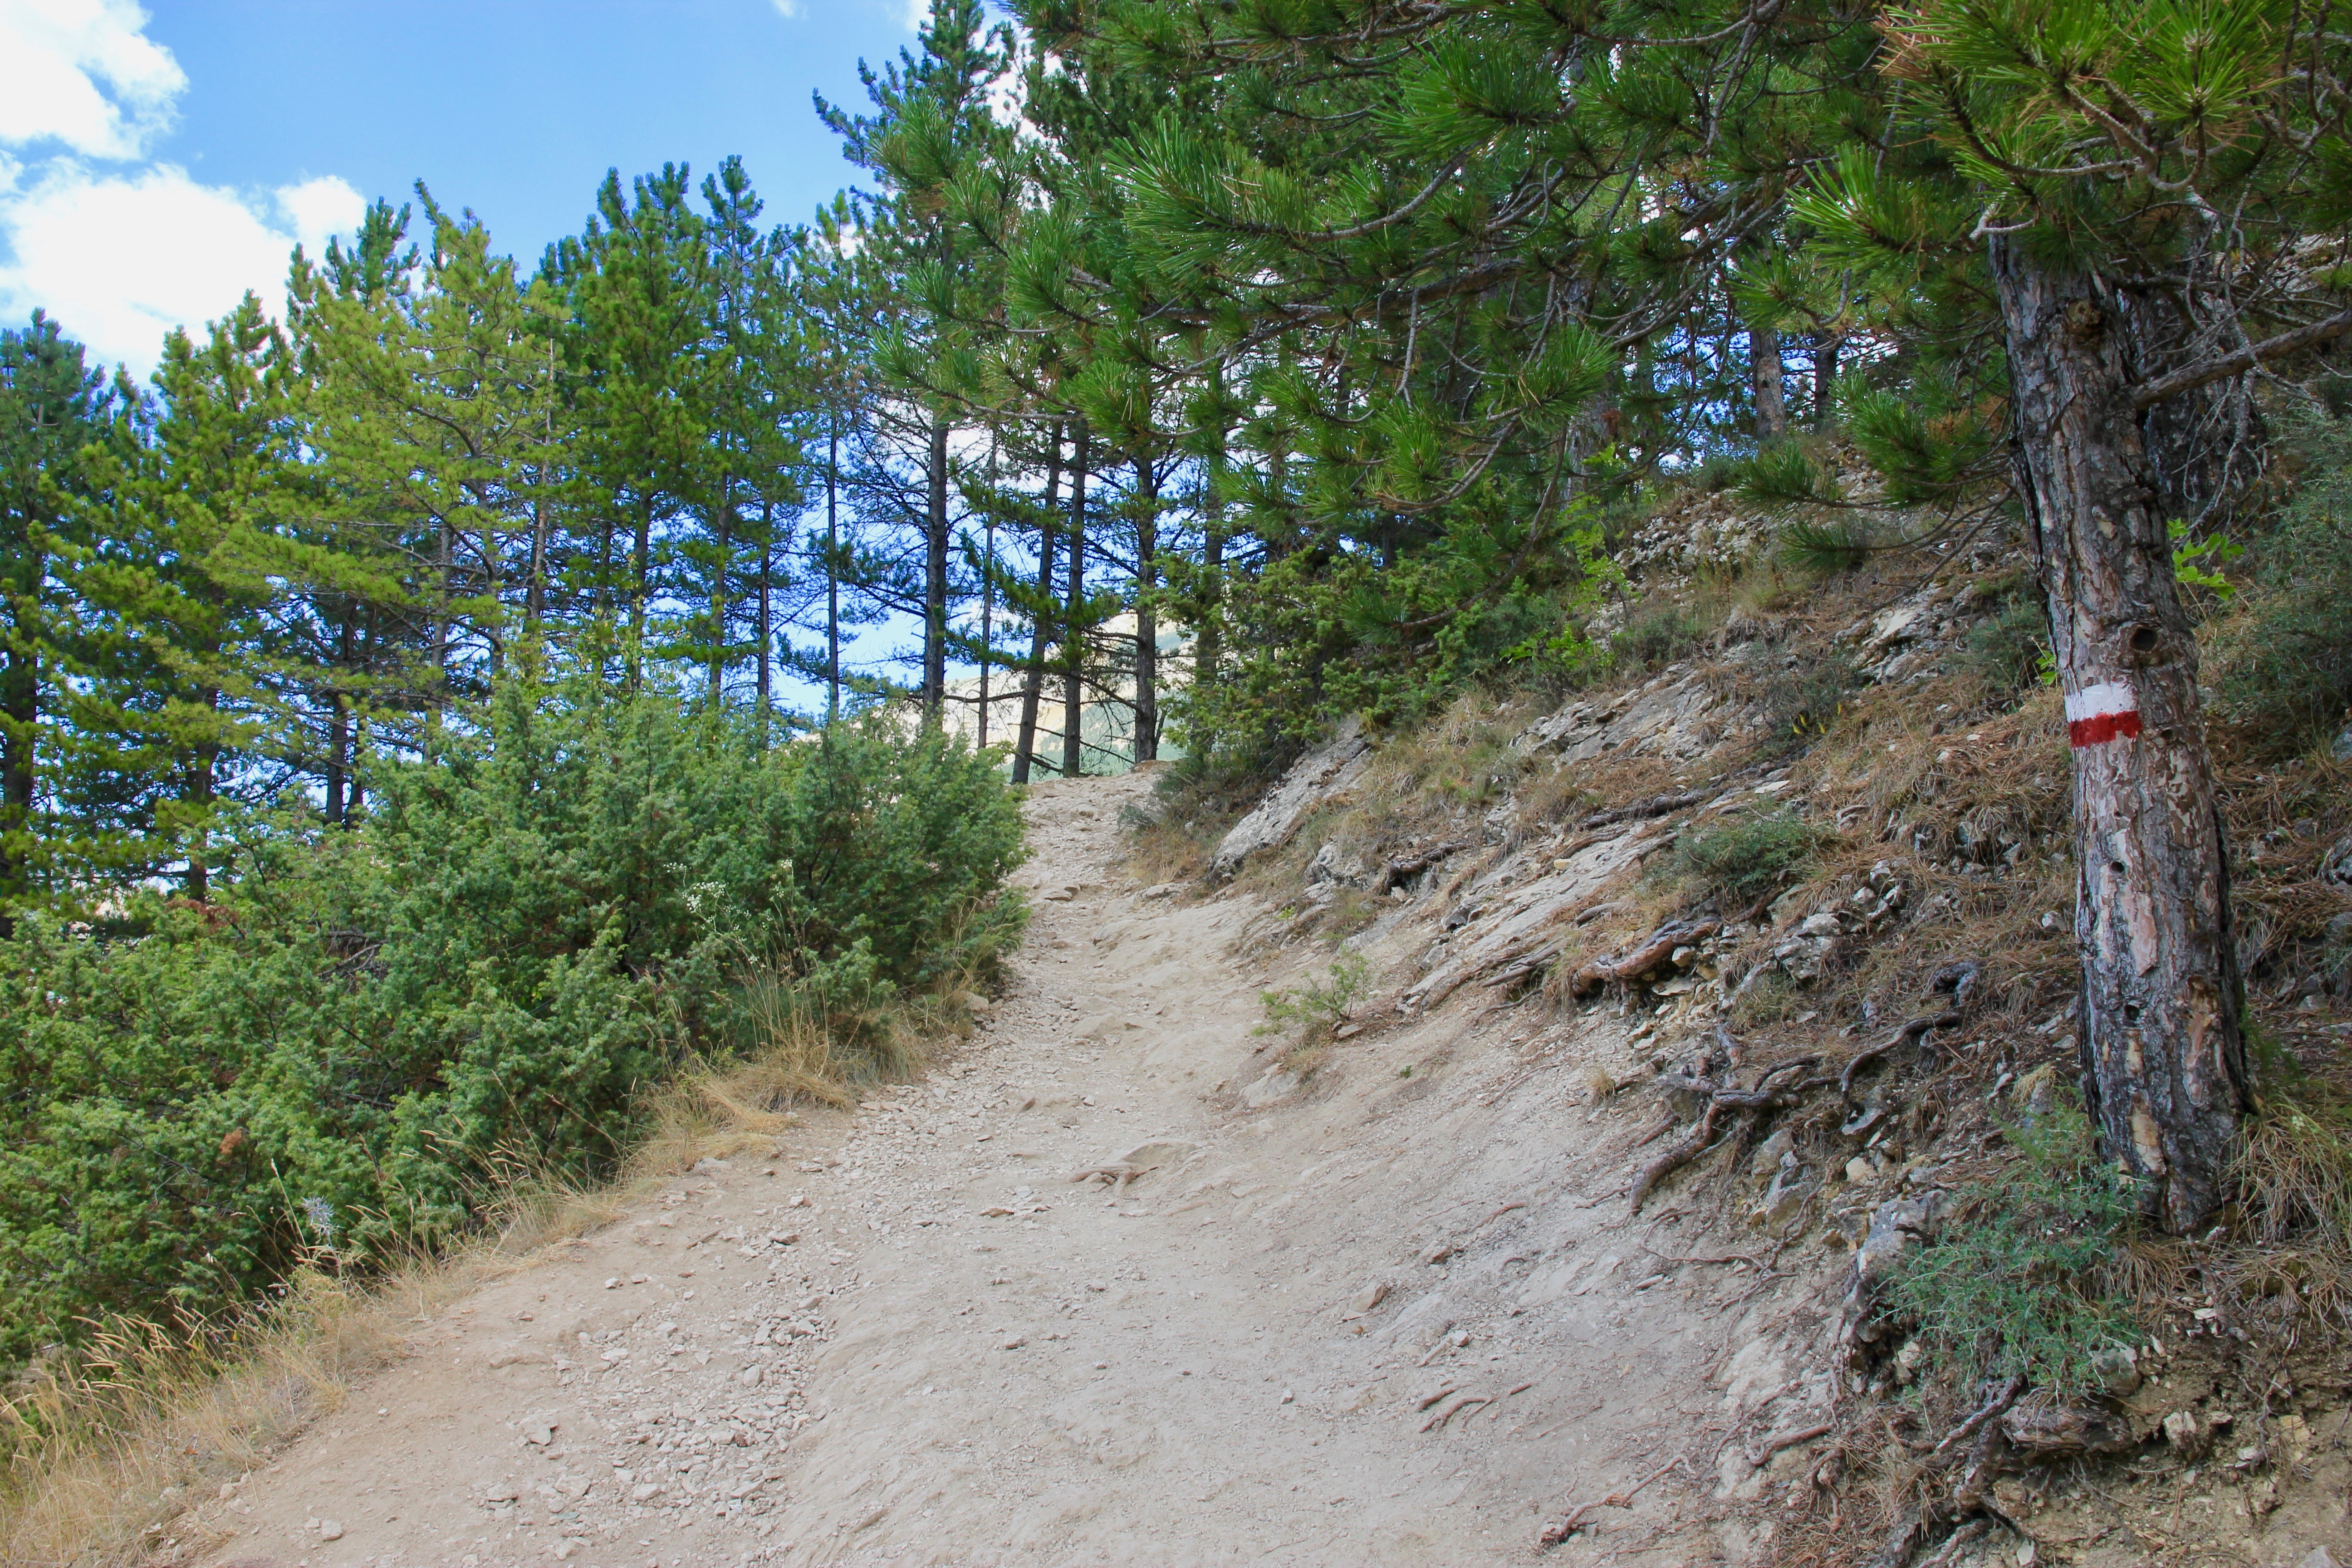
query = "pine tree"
x=932 y=141
x=173 y=588
x=2126 y=198
x=52 y=406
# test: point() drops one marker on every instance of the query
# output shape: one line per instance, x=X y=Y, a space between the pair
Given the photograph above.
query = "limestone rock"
x=1312 y=780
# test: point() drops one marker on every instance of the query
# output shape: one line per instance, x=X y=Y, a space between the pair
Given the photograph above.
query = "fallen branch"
x=1575 y=1519
x=1656 y=805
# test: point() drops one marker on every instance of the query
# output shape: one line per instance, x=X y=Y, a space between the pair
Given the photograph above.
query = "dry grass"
x=104 y=1448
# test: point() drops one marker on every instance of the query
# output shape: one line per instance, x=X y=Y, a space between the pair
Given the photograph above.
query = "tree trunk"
x=1147 y=626
x=718 y=677
x=641 y=590
x=1032 y=679
x=203 y=769
x=1764 y=369
x=935 y=578
x=1208 y=638
x=833 y=570
x=20 y=693
x=339 y=722
x=2164 y=1068
x=1073 y=640
x=767 y=614
x=1825 y=364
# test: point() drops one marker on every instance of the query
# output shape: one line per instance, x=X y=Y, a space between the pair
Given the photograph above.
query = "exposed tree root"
x=1656 y=949
x=1634 y=811
x=1574 y=1520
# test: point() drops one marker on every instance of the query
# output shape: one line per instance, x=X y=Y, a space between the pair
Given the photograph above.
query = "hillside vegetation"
x=1928 y=420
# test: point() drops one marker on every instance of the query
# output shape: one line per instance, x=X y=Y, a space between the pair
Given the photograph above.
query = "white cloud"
x=789 y=10
x=121 y=256
x=83 y=73
x=120 y=259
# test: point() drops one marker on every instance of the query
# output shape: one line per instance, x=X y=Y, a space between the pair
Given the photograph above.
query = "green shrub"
x=1657 y=637
x=1740 y=862
x=2285 y=664
x=2015 y=1281
x=336 y=1052
x=2007 y=647
x=1801 y=704
x=1319 y=1005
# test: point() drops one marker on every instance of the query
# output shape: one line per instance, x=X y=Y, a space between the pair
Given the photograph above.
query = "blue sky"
x=155 y=162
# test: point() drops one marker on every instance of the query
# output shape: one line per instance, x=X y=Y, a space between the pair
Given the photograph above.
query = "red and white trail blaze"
x=2097 y=714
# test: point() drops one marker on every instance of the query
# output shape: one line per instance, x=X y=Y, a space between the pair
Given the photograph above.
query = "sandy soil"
x=1397 y=1315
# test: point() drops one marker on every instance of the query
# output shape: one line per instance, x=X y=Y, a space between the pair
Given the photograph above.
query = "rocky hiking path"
x=1399 y=1316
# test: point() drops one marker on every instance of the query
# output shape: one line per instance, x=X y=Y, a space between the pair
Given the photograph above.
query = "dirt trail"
x=1398 y=1317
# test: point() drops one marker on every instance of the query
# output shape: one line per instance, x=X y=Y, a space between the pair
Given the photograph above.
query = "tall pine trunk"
x=1825 y=364
x=339 y=722
x=1765 y=372
x=1032 y=679
x=20 y=704
x=767 y=614
x=1073 y=640
x=935 y=577
x=2164 y=1068
x=833 y=570
x=1147 y=626
x=641 y=569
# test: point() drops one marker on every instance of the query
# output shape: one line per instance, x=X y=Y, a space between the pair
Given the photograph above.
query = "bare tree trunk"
x=935 y=578
x=1825 y=364
x=1147 y=621
x=1073 y=640
x=203 y=763
x=767 y=614
x=716 y=679
x=1764 y=368
x=833 y=570
x=640 y=594
x=20 y=703
x=1033 y=680
x=339 y=722
x=2163 y=1067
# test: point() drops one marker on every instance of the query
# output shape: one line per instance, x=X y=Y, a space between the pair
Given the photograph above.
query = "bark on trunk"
x=935 y=578
x=767 y=614
x=1074 y=642
x=338 y=722
x=1032 y=679
x=20 y=689
x=1771 y=401
x=833 y=573
x=1146 y=621
x=1825 y=364
x=2164 y=1069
